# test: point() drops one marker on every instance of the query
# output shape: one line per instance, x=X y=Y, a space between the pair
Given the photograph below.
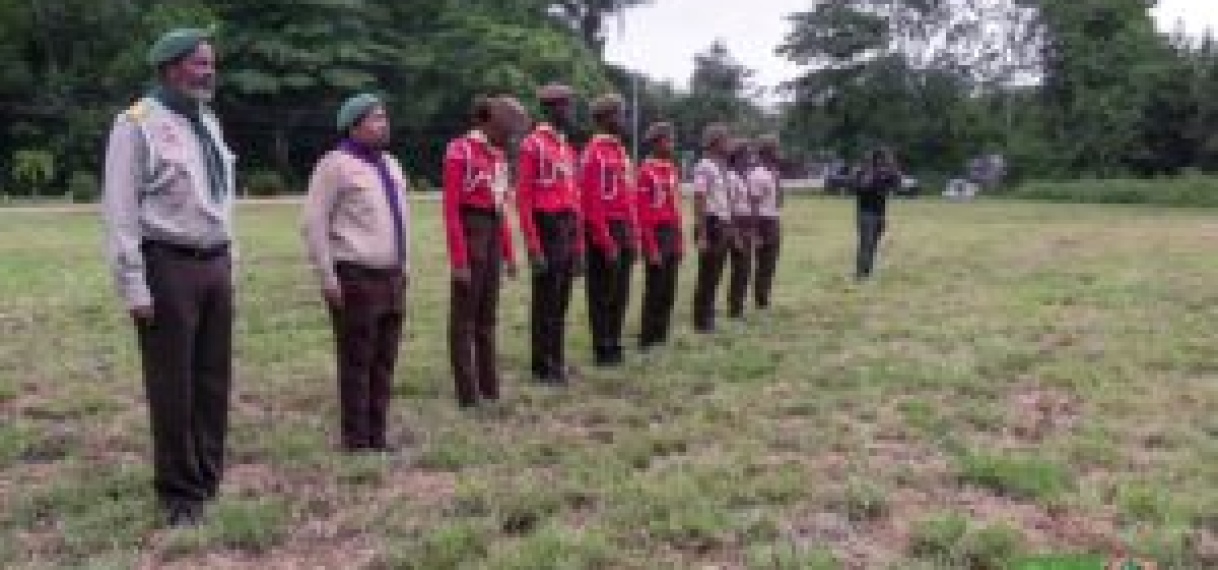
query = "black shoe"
x=604 y=356
x=184 y=514
x=554 y=379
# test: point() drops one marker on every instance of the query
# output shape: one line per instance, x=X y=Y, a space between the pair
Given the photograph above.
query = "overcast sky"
x=661 y=39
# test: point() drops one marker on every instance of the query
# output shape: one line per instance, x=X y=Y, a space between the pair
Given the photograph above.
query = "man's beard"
x=202 y=91
x=379 y=142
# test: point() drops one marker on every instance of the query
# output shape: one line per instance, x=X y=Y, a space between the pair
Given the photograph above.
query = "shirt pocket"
x=359 y=198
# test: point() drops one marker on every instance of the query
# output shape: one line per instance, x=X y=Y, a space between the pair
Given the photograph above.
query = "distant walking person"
x=879 y=176
x=744 y=205
x=765 y=182
x=356 y=231
x=659 y=208
x=712 y=222
x=608 y=188
x=547 y=200
x=479 y=243
x=168 y=203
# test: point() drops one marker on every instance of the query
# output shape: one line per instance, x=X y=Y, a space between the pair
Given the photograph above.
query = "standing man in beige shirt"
x=356 y=232
x=765 y=180
x=167 y=203
x=713 y=223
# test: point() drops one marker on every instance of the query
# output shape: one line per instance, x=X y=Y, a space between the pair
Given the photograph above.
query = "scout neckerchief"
x=192 y=110
x=376 y=158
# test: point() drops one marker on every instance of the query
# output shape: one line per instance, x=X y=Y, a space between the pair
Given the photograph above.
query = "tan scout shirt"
x=739 y=195
x=763 y=185
x=711 y=180
x=156 y=188
x=347 y=216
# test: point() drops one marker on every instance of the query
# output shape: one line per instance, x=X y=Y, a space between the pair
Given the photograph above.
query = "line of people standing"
x=168 y=195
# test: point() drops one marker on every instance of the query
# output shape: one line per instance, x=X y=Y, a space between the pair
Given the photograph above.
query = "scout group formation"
x=168 y=198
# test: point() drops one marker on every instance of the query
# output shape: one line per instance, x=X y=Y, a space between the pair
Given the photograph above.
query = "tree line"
x=1086 y=88
x=1063 y=89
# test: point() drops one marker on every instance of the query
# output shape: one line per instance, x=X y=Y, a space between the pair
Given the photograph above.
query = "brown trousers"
x=186 y=353
x=740 y=256
x=711 y=261
x=474 y=309
x=608 y=283
x=769 y=233
x=552 y=293
x=660 y=288
x=367 y=330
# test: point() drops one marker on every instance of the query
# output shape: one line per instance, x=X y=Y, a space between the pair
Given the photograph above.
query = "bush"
x=1188 y=191
x=83 y=187
x=1018 y=477
x=264 y=183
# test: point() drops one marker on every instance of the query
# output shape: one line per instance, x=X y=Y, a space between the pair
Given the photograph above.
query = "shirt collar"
x=549 y=129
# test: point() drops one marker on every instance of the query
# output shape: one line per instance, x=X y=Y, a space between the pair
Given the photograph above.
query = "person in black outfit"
x=879 y=176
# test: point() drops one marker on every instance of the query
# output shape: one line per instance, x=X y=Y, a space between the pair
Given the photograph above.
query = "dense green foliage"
x=68 y=66
x=1185 y=191
x=1063 y=89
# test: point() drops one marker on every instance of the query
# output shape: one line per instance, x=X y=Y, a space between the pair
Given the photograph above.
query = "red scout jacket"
x=607 y=189
x=659 y=203
x=546 y=183
x=475 y=176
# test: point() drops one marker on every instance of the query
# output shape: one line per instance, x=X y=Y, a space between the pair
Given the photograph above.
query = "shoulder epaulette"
x=138 y=112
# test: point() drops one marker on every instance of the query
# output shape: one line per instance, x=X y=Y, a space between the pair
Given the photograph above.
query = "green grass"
x=1018 y=477
x=1017 y=372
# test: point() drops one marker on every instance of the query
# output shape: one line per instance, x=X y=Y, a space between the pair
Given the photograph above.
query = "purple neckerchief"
x=376 y=158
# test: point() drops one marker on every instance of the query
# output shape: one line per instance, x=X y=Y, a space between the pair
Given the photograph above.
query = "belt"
x=565 y=212
x=481 y=212
x=358 y=272
x=189 y=252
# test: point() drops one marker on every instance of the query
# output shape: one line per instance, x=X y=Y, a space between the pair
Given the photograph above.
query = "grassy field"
x=1021 y=380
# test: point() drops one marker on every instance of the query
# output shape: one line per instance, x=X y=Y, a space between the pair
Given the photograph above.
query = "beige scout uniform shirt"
x=739 y=195
x=710 y=180
x=763 y=184
x=156 y=188
x=347 y=217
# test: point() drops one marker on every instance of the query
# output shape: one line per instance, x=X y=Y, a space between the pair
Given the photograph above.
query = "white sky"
x=661 y=39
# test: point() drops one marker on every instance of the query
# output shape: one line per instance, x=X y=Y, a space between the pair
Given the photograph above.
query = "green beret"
x=354 y=110
x=176 y=44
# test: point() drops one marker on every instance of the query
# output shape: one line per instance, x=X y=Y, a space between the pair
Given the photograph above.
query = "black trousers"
x=740 y=258
x=552 y=292
x=660 y=289
x=473 y=312
x=871 y=228
x=186 y=354
x=769 y=235
x=608 y=282
x=367 y=330
x=711 y=261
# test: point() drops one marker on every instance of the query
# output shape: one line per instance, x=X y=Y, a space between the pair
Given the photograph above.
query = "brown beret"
x=662 y=129
x=608 y=103
x=554 y=92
